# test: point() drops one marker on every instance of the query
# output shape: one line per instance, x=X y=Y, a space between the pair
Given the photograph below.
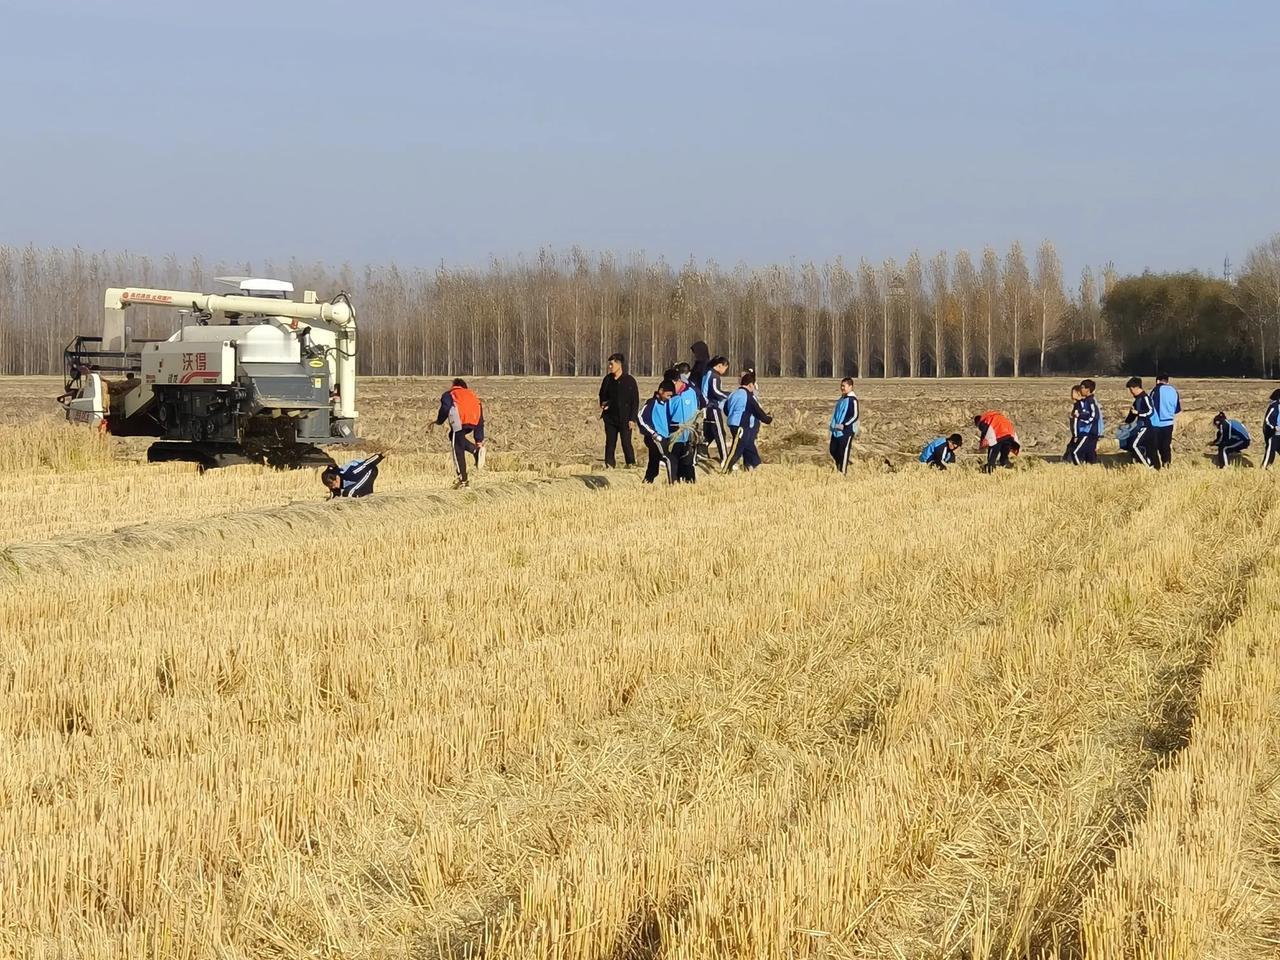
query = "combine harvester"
x=252 y=377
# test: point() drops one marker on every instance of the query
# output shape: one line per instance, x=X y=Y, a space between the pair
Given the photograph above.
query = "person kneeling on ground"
x=844 y=425
x=655 y=425
x=745 y=416
x=941 y=451
x=1231 y=439
x=353 y=480
x=465 y=414
x=997 y=437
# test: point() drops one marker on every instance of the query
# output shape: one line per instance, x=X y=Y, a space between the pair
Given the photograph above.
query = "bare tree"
x=967 y=294
x=990 y=282
x=1048 y=293
x=890 y=284
x=913 y=289
x=1017 y=294
x=1089 y=308
x=939 y=292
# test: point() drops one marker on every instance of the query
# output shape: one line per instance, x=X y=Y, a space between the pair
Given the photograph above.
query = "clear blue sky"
x=1143 y=132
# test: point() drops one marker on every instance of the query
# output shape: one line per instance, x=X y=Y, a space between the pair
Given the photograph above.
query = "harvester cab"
x=253 y=376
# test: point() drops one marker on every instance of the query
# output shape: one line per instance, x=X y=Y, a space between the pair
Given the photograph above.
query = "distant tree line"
x=562 y=313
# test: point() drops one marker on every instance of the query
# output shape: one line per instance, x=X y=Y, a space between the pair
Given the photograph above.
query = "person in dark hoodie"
x=701 y=363
x=745 y=415
x=619 y=408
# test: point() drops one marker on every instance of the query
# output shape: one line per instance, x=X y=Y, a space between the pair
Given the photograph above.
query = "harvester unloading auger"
x=251 y=377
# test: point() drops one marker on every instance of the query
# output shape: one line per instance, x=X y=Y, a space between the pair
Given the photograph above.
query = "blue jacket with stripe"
x=844 y=416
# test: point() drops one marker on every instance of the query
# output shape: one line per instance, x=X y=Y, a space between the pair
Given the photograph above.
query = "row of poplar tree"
x=562 y=313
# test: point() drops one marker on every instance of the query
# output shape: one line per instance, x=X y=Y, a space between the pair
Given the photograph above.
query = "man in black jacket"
x=619 y=407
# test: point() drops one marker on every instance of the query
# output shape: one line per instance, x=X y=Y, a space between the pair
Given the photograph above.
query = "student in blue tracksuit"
x=941 y=451
x=843 y=425
x=1232 y=438
x=1140 y=414
x=1086 y=420
x=683 y=408
x=1165 y=406
x=744 y=415
x=1271 y=430
x=655 y=427
x=353 y=480
x=715 y=427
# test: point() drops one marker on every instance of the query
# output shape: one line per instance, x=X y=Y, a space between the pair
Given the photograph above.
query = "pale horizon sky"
x=1137 y=132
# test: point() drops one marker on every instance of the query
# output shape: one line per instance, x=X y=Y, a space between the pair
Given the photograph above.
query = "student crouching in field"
x=356 y=479
x=744 y=415
x=844 y=425
x=1232 y=439
x=940 y=451
x=997 y=436
x=655 y=426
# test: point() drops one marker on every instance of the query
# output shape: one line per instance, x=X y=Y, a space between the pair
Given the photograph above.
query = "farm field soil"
x=786 y=714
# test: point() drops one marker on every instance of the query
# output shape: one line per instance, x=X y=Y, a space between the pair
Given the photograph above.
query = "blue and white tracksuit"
x=1086 y=420
x=357 y=477
x=682 y=408
x=715 y=426
x=1165 y=406
x=744 y=415
x=655 y=427
x=1231 y=439
x=1271 y=433
x=1141 y=412
x=844 y=420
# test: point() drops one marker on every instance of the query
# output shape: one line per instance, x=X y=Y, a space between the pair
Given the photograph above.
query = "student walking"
x=619 y=407
x=998 y=437
x=941 y=451
x=1232 y=438
x=715 y=427
x=1086 y=423
x=1271 y=430
x=1165 y=406
x=844 y=425
x=464 y=412
x=655 y=427
x=1140 y=415
x=745 y=415
x=682 y=409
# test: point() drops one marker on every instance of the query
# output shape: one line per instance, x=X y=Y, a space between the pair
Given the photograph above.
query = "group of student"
x=730 y=422
x=693 y=394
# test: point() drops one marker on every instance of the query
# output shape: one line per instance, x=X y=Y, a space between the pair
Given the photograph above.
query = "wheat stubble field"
x=779 y=715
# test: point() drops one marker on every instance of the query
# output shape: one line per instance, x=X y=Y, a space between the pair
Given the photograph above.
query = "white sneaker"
x=480 y=458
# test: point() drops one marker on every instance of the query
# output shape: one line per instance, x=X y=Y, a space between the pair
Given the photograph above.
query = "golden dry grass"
x=778 y=715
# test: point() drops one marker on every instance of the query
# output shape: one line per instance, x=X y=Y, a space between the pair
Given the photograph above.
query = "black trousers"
x=1162 y=445
x=659 y=462
x=716 y=431
x=1083 y=449
x=1271 y=451
x=1143 y=449
x=839 y=449
x=684 y=461
x=612 y=434
x=1000 y=452
x=1225 y=451
x=461 y=447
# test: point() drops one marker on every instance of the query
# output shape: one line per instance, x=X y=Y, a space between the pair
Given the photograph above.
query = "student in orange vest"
x=465 y=415
x=997 y=437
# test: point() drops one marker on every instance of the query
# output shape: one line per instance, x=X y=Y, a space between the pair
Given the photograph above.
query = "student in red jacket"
x=465 y=415
x=998 y=437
